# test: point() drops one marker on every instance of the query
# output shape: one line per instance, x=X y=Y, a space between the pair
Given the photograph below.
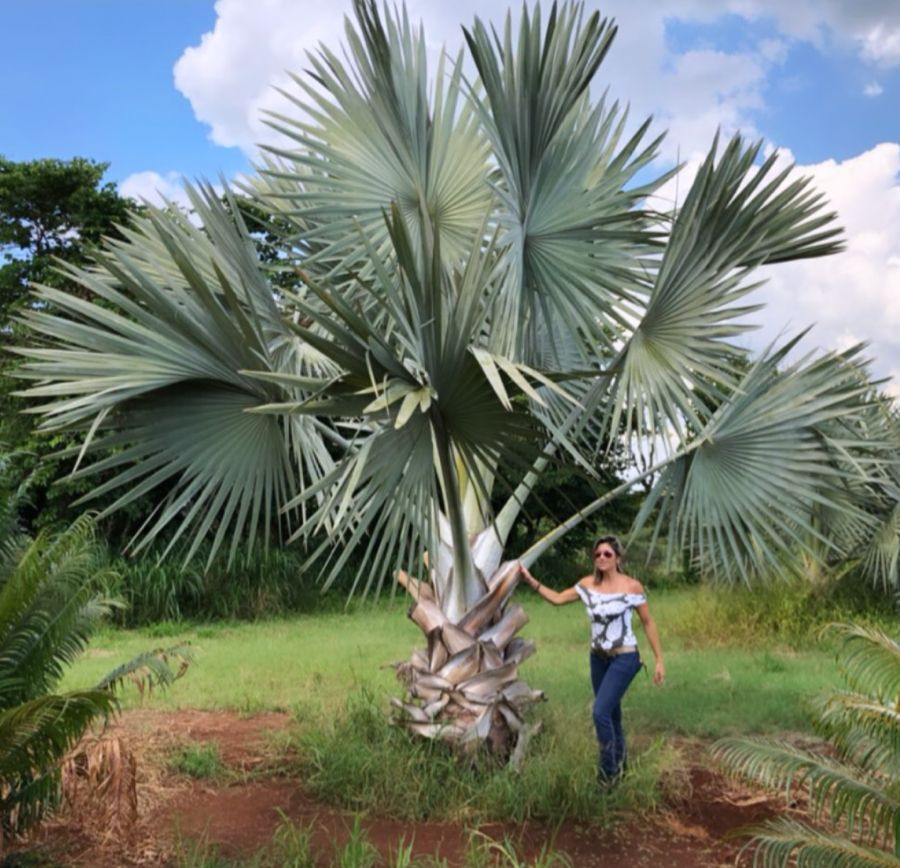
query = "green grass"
x=311 y=663
x=198 y=760
x=356 y=762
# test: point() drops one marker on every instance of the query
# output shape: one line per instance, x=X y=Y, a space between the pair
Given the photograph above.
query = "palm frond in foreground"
x=856 y=793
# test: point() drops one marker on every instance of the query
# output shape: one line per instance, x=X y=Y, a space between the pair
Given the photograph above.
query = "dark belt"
x=614 y=652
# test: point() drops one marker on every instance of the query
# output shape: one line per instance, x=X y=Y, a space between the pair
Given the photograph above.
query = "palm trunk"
x=464 y=686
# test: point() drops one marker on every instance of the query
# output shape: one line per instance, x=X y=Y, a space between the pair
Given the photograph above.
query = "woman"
x=610 y=597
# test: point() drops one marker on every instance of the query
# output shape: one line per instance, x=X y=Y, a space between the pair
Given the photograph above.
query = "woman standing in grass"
x=610 y=597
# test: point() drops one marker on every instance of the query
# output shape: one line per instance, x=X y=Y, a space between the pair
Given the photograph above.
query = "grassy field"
x=310 y=664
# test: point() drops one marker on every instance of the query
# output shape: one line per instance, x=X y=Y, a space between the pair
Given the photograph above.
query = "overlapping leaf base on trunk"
x=464 y=685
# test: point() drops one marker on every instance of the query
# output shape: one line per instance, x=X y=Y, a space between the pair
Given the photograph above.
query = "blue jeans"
x=610 y=677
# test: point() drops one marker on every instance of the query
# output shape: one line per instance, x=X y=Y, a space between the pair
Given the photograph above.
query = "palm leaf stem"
x=464 y=584
x=530 y=555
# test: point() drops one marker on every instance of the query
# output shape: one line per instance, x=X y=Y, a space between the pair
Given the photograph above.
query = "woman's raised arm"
x=558 y=598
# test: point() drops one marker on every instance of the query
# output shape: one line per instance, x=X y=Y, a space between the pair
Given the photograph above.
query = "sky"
x=169 y=89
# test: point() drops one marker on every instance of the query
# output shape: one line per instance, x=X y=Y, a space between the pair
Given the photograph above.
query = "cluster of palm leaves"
x=471 y=281
x=51 y=601
x=854 y=795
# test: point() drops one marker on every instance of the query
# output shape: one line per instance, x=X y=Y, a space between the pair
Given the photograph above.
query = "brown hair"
x=614 y=544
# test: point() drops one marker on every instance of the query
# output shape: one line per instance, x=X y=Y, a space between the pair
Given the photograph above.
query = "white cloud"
x=881 y=45
x=155 y=188
x=873 y=88
x=229 y=78
x=854 y=295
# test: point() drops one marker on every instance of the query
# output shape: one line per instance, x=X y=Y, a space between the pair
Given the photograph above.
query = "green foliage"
x=51 y=210
x=198 y=760
x=858 y=790
x=50 y=602
x=357 y=851
x=485 y=851
x=256 y=582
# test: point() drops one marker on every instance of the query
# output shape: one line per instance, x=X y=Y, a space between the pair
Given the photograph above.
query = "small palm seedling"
x=858 y=789
x=50 y=603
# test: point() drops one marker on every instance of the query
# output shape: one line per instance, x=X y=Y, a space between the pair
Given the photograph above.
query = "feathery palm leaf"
x=858 y=791
x=34 y=736
x=48 y=608
x=835 y=790
x=784 y=842
x=871 y=662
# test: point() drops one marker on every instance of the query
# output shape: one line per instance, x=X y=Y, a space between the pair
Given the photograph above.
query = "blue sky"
x=168 y=88
x=94 y=78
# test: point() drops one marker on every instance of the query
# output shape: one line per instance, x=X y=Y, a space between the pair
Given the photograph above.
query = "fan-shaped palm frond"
x=734 y=219
x=428 y=392
x=567 y=210
x=183 y=312
x=369 y=137
x=742 y=492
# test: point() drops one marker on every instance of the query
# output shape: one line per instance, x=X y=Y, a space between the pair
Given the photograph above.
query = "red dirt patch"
x=239 y=815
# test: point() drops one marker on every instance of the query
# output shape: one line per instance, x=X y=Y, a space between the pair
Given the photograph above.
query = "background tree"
x=51 y=209
x=479 y=288
x=51 y=212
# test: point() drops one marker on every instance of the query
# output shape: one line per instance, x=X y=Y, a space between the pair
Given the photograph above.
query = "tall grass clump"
x=785 y=612
x=354 y=761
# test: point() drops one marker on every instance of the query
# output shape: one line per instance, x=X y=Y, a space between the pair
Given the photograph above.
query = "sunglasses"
x=604 y=554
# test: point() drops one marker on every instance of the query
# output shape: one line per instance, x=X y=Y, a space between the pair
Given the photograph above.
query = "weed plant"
x=355 y=761
x=292 y=847
x=198 y=760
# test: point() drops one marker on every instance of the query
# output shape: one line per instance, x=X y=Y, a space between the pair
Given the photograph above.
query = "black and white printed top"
x=610 y=616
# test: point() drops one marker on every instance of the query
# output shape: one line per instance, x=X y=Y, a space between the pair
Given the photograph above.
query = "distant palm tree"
x=470 y=284
x=858 y=790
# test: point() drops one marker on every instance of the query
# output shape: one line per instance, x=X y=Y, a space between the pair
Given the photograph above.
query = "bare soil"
x=238 y=813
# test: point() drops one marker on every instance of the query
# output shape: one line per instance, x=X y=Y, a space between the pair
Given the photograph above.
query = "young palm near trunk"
x=610 y=597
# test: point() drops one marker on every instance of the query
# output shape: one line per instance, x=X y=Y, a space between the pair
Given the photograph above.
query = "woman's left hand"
x=659 y=675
